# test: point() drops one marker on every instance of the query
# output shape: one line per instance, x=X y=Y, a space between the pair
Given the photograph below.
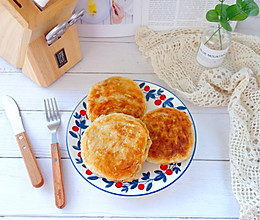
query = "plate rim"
x=101 y=19
x=147 y=193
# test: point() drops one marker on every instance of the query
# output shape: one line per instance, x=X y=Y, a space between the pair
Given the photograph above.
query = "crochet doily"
x=235 y=84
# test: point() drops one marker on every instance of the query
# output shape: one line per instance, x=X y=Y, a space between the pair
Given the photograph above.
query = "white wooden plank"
x=212 y=141
x=112 y=58
x=97 y=53
x=107 y=218
x=97 y=56
x=71 y=88
x=127 y=39
x=203 y=191
x=6 y=67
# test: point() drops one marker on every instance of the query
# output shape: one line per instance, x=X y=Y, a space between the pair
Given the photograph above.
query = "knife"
x=55 y=33
x=13 y=114
x=40 y=3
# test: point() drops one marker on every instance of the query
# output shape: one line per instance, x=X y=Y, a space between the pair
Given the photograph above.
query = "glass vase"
x=215 y=42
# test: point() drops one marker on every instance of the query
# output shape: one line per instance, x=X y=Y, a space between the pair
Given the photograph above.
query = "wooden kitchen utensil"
x=23 y=29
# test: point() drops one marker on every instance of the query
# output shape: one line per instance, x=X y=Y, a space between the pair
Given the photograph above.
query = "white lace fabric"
x=235 y=84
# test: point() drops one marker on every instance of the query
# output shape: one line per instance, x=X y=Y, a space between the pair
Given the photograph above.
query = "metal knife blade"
x=40 y=3
x=13 y=114
x=55 y=33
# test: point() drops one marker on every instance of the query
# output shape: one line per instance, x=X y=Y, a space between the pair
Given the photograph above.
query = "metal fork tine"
x=53 y=122
x=53 y=110
x=46 y=110
x=56 y=107
x=49 y=110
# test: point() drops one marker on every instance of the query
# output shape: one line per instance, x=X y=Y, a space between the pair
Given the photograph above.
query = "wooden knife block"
x=23 y=28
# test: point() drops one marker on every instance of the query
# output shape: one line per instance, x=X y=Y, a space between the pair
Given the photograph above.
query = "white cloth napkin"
x=235 y=84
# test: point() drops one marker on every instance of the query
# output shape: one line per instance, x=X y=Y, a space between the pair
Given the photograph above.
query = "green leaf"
x=212 y=16
x=239 y=2
x=226 y=25
x=235 y=13
x=250 y=8
x=224 y=19
x=218 y=9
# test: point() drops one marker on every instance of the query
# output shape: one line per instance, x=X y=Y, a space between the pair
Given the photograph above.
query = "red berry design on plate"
x=79 y=154
x=88 y=172
x=119 y=184
x=169 y=172
x=82 y=112
x=75 y=128
x=163 y=97
x=141 y=186
x=158 y=102
x=164 y=167
x=146 y=88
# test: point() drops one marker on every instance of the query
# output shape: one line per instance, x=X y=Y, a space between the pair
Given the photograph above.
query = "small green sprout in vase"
x=223 y=14
x=216 y=39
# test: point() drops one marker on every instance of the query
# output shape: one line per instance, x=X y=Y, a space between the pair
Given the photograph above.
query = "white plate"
x=153 y=177
x=103 y=10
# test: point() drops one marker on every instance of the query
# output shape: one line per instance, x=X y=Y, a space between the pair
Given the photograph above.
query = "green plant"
x=224 y=13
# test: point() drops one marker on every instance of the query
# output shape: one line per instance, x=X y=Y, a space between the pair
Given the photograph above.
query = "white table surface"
x=203 y=192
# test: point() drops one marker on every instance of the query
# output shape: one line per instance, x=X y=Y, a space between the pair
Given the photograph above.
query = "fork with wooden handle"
x=53 y=122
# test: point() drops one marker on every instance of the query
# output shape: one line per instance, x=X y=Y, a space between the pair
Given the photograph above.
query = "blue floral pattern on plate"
x=153 y=177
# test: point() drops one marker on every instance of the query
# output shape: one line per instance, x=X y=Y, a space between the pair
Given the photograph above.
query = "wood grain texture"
x=204 y=191
x=29 y=160
x=41 y=61
x=14 y=38
x=30 y=16
x=58 y=183
x=24 y=44
x=213 y=146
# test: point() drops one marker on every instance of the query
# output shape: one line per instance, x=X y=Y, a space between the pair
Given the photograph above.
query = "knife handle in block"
x=29 y=160
x=58 y=183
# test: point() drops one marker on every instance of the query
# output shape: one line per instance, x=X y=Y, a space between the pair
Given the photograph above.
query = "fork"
x=53 y=121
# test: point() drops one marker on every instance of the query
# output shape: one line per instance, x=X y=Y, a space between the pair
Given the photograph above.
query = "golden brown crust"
x=115 y=146
x=115 y=95
x=172 y=135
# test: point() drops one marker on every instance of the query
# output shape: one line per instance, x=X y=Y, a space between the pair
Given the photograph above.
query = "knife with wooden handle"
x=13 y=114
